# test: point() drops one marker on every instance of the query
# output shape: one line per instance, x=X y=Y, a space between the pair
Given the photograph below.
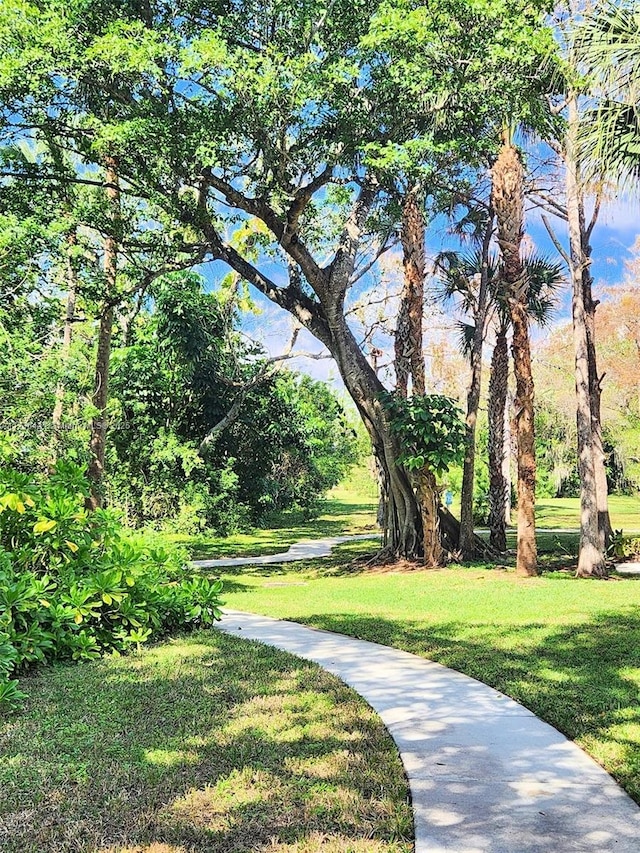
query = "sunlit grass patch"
x=203 y=743
x=350 y=508
x=568 y=649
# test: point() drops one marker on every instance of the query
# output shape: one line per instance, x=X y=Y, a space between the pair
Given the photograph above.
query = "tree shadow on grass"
x=206 y=743
x=583 y=679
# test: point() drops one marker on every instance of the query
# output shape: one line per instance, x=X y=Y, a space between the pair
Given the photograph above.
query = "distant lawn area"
x=565 y=512
x=567 y=649
x=348 y=509
x=204 y=743
x=351 y=508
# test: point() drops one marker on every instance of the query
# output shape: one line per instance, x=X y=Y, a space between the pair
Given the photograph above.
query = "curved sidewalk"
x=486 y=775
x=307 y=549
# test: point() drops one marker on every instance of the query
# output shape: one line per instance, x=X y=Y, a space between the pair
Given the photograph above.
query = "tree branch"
x=265 y=372
x=308 y=313
x=594 y=216
x=360 y=273
x=301 y=199
x=263 y=211
x=556 y=242
x=341 y=268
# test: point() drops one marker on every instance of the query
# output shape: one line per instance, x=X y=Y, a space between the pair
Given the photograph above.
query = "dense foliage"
x=431 y=430
x=278 y=141
x=177 y=369
x=75 y=585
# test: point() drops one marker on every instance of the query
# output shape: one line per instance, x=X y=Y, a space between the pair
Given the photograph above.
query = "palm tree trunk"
x=508 y=203
x=498 y=384
x=409 y=361
x=605 y=530
x=591 y=558
x=409 y=355
x=97 y=439
x=468 y=542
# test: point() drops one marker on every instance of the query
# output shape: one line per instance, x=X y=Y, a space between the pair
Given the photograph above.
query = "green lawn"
x=205 y=742
x=567 y=649
x=565 y=512
x=349 y=508
x=212 y=743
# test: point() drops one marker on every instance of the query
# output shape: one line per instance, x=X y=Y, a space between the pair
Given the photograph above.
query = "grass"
x=567 y=649
x=565 y=512
x=213 y=743
x=207 y=742
x=349 y=508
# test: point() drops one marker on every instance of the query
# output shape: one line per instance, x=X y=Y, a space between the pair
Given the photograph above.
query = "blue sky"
x=613 y=239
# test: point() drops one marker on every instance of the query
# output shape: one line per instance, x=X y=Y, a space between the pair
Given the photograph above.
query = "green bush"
x=624 y=546
x=76 y=585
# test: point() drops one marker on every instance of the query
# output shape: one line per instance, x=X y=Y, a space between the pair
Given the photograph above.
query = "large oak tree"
x=285 y=114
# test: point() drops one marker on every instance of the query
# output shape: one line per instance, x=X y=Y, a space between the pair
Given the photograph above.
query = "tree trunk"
x=605 y=530
x=413 y=260
x=498 y=384
x=403 y=521
x=70 y=312
x=508 y=453
x=427 y=491
x=527 y=555
x=591 y=558
x=467 y=534
x=97 y=440
x=409 y=363
x=508 y=203
x=325 y=319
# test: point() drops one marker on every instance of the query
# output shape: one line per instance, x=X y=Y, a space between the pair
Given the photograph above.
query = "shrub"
x=76 y=585
x=624 y=546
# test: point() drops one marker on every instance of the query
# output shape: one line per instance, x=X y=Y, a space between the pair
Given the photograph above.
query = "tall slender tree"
x=460 y=275
x=409 y=359
x=69 y=318
x=508 y=203
x=98 y=435
x=470 y=279
x=595 y=524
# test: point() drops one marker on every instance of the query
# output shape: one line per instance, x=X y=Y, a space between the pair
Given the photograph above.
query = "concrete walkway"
x=308 y=549
x=486 y=775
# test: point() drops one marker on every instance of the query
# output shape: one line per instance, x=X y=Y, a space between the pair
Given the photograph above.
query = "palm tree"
x=607 y=46
x=460 y=276
x=507 y=196
x=470 y=279
x=409 y=358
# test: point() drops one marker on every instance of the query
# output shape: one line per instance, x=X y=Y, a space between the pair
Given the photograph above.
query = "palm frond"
x=471 y=226
x=607 y=47
x=459 y=275
x=610 y=141
x=466 y=334
x=545 y=277
x=607 y=43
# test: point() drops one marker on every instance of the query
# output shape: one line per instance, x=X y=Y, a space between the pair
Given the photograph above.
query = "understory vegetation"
x=78 y=586
x=175 y=458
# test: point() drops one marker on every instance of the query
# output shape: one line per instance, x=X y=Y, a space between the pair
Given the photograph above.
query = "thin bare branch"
x=556 y=242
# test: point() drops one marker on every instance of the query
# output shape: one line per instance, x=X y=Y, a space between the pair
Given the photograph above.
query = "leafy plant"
x=430 y=428
x=78 y=586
